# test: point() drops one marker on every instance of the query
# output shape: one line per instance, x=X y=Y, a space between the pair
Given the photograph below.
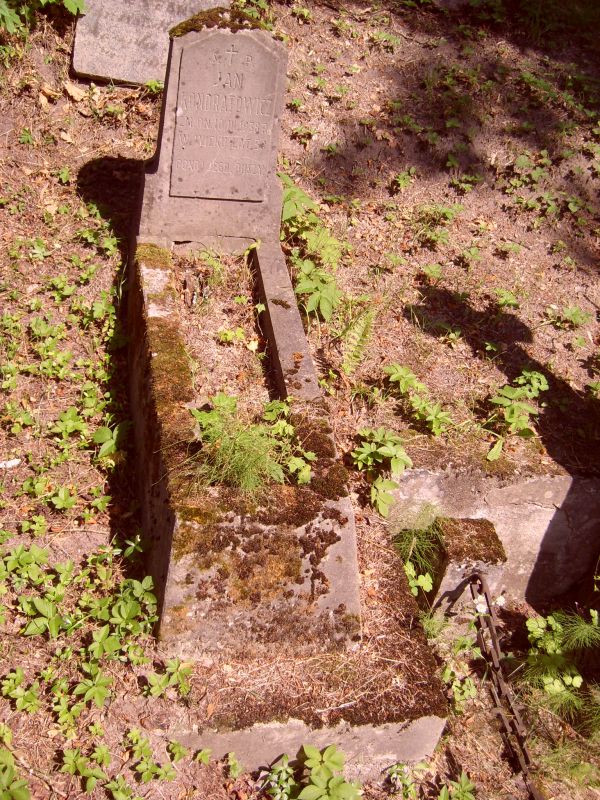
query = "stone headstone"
x=128 y=41
x=224 y=131
x=214 y=173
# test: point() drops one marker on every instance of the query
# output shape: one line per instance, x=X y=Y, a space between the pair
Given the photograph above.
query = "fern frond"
x=356 y=339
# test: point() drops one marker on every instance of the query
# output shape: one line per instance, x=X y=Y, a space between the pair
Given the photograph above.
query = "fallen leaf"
x=43 y=101
x=49 y=92
x=75 y=92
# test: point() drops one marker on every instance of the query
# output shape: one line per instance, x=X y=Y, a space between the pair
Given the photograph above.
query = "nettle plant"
x=314 y=253
x=380 y=451
x=405 y=383
x=248 y=455
x=514 y=412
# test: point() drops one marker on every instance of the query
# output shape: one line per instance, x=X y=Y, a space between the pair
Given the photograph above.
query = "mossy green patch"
x=232 y=19
x=473 y=539
x=152 y=255
x=172 y=377
x=196 y=534
x=332 y=483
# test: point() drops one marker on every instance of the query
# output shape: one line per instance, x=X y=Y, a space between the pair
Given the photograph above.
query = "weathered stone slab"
x=290 y=355
x=213 y=174
x=128 y=41
x=226 y=126
x=228 y=572
x=549 y=526
x=369 y=749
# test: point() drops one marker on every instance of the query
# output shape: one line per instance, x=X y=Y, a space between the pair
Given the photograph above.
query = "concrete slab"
x=549 y=526
x=369 y=749
x=129 y=42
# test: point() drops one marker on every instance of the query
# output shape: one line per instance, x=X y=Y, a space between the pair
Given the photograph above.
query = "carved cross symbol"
x=231 y=54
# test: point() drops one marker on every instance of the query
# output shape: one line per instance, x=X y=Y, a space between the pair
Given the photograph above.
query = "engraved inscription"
x=223 y=145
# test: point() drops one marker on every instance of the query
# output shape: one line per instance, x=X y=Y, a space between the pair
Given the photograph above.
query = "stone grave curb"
x=369 y=749
x=547 y=525
x=161 y=391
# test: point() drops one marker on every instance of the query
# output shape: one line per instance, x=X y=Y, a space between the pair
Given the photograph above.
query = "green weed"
x=431 y=223
x=248 y=456
x=355 y=337
x=380 y=450
x=514 y=411
x=403 y=381
x=314 y=252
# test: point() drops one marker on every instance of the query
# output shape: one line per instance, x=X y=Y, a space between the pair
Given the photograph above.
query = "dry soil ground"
x=455 y=154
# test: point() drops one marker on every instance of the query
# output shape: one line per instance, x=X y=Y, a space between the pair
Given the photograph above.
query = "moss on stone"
x=314 y=431
x=471 y=539
x=232 y=19
x=333 y=483
x=152 y=255
x=172 y=377
x=196 y=531
x=265 y=575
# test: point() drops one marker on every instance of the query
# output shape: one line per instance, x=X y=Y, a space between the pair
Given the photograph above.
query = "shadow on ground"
x=568 y=425
x=449 y=108
x=113 y=185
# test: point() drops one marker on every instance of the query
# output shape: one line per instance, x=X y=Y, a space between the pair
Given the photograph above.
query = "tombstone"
x=214 y=174
x=213 y=183
x=128 y=41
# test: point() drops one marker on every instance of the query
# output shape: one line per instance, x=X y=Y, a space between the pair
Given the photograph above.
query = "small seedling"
x=417 y=582
x=514 y=412
x=381 y=450
x=403 y=180
x=303 y=134
x=567 y=318
x=302 y=14
x=433 y=272
x=506 y=299
x=230 y=336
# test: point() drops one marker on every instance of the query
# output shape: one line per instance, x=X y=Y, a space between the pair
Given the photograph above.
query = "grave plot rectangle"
x=237 y=78
x=128 y=41
x=270 y=586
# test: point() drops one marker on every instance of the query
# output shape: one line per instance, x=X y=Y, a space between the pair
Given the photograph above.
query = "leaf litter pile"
x=454 y=158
